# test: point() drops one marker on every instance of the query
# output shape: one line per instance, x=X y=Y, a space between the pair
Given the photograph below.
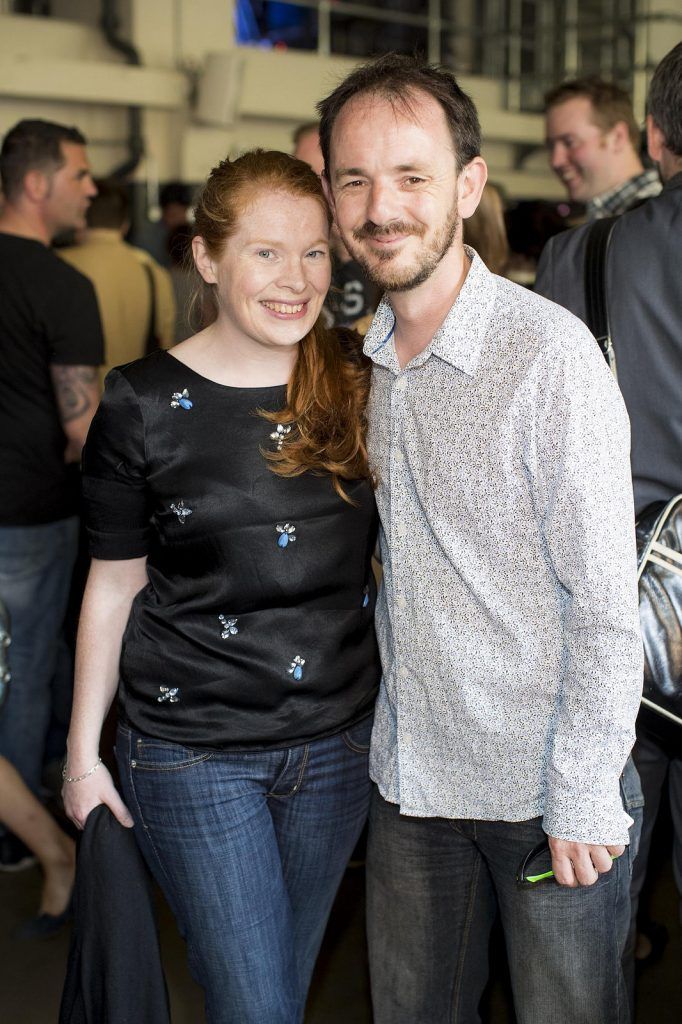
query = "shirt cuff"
x=579 y=820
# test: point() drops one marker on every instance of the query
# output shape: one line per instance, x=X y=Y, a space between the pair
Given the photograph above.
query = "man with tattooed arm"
x=50 y=347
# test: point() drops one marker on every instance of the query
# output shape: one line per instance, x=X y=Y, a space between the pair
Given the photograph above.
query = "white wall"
x=64 y=70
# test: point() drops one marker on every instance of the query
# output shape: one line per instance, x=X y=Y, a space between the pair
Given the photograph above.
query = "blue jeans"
x=434 y=887
x=36 y=563
x=249 y=848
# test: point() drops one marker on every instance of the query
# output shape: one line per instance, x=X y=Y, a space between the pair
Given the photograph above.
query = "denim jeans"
x=36 y=563
x=434 y=887
x=249 y=848
x=658 y=762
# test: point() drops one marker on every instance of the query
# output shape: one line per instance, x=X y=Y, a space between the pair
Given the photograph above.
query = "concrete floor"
x=31 y=973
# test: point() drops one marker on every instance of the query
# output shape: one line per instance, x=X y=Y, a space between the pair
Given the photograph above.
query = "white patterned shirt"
x=508 y=617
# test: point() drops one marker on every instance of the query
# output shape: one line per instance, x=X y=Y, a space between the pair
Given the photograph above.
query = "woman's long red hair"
x=328 y=389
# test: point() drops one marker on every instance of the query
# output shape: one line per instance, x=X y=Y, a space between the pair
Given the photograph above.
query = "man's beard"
x=379 y=268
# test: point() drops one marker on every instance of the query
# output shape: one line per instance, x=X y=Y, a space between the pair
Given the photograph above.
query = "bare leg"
x=26 y=817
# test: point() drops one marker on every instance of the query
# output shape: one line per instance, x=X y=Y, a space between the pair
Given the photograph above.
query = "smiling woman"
x=232 y=520
x=262 y=251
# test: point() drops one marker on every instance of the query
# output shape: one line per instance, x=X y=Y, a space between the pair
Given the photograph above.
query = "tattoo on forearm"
x=73 y=387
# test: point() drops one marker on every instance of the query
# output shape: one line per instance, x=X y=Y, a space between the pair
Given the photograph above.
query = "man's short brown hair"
x=399 y=78
x=33 y=145
x=110 y=208
x=610 y=103
x=308 y=128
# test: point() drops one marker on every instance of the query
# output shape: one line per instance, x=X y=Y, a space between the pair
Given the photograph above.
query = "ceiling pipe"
x=110 y=24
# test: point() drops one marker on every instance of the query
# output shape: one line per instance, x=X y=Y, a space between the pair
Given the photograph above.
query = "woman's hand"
x=81 y=797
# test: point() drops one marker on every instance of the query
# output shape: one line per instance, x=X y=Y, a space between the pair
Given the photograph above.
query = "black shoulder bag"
x=658 y=528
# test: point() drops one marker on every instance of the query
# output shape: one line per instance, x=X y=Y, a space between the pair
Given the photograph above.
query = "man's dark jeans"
x=434 y=887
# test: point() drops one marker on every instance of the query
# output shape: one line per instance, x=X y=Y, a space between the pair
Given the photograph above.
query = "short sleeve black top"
x=48 y=316
x=256 y=627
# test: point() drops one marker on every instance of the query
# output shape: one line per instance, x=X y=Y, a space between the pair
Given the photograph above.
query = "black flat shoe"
x=44 y=926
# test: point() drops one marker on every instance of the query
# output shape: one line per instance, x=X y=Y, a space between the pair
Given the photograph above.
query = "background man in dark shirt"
x=50 y=348
x=644 y=285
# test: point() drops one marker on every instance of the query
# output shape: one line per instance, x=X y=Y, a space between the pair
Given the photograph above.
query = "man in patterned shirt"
x=593 y=143
x=508 y=619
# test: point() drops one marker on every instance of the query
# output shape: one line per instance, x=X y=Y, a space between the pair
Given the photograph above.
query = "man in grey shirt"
x=644 y=284
x=508 y=618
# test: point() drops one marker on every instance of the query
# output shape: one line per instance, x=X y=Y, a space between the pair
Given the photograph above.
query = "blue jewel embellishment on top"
x=279 y=434
x=181 y=510
x=296 y=667
x=229 y=627
x=286 y=534
x=181 y=400
x=169 y=694
x=365 y=597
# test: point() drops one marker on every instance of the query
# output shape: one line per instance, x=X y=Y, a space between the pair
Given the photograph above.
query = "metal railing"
x=528 y=44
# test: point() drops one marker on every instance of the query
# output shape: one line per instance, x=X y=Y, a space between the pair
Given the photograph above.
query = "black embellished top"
x=255 y=629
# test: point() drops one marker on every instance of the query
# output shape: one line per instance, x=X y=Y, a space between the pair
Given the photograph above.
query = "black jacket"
x=114 y=973
x=644 y=285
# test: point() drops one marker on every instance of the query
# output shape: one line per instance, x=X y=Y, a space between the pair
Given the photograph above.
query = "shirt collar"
x=459 y=339
x=103 y=235
x=616 y=200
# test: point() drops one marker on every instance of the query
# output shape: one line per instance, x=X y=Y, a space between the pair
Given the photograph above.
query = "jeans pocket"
x=631 y=787
x=154 y=755
x=358 y=737
x=633 y=802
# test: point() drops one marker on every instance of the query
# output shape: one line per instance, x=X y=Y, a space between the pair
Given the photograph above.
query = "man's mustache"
x=395 y=227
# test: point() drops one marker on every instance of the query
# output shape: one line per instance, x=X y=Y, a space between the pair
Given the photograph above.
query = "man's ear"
x=36 y=185
x=619 y=136
x=203 y=261
x=655 y=140
x=470 y=184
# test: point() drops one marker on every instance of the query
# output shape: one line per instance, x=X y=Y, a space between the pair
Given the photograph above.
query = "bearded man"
x=507 y=619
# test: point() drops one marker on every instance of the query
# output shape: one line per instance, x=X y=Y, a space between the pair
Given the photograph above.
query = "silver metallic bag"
x=659 y=569
x=4 y=644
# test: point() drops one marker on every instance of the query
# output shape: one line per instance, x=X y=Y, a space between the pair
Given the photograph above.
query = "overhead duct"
x=219 y=88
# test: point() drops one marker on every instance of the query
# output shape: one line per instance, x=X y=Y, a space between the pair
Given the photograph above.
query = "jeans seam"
x=155 y=766
x=616 y=889
x=285 y=768
x=147 y=830
x=351 y=744
x=354 y=746
x=299 y=780
x=459 y=973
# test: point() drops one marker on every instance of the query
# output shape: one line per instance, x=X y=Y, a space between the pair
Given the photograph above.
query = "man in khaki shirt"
x=122 y=276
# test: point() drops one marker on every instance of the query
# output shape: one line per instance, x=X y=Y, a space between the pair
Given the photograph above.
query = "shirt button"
x=398 y=456
x=402 y=672
x=401 y=384
x=401 y=602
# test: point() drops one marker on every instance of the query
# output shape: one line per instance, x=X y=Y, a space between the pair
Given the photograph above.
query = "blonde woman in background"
x=485 y=232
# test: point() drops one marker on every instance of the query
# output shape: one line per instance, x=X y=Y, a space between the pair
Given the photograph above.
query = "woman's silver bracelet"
x=79 y=778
